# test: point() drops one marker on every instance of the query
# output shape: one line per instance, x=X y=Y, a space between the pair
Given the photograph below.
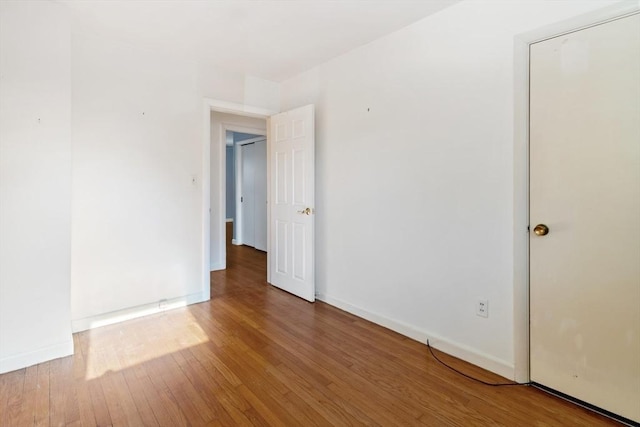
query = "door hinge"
x=241 y=199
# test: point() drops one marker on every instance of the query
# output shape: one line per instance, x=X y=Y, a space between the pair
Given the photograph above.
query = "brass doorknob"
x=541 y=230
x=306 y=211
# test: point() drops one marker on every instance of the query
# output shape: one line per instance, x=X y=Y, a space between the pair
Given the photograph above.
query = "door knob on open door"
x=541 y=230
x=306 y=211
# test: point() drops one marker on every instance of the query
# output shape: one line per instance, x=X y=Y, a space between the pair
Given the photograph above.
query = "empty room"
x=319 y=212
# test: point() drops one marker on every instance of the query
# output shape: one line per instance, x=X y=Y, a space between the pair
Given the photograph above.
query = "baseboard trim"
x=453 y=348
x=229 y=220
x=118 y=316
x=235 y=242
x=23 y=360
x=218 y=267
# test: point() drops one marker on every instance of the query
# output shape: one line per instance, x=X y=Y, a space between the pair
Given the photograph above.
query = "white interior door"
x=291 y=174
x=260 y=202
x=585 y=188
x=247 y=198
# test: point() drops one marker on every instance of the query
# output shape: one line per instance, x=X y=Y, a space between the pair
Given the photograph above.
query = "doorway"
x=291 y=178
x=219 y=124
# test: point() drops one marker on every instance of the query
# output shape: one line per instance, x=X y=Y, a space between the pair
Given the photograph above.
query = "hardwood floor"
x=254 y=355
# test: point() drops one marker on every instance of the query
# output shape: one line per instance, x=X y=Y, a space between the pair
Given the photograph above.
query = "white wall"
x=136 y=148
x=423 y=120
x=100 y=142
x=35 y=183
x=137 y=145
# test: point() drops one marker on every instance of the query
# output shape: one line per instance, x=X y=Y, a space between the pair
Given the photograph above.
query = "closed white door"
x=247 y=197
x=585 y=215
x=291 y=164
x=260 y=202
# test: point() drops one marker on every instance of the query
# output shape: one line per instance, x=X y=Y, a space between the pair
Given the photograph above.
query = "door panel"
x=298 y=239
x=280 y=169
x=280 y=248
x=299 y=182
x=291 y=153
x=585 y=186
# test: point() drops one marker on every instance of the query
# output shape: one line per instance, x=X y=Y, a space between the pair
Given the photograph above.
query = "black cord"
x=470 y=377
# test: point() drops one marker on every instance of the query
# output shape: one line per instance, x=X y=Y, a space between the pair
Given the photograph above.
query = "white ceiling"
x=269 y=39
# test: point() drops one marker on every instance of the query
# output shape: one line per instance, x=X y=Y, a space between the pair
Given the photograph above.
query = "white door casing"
x=585 y=187
x=246 y=119
x=292 y=197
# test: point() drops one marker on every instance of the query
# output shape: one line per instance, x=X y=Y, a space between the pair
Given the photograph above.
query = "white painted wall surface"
x=423 y=119
x=35 y=183
x=136 y=147
x=137 y=144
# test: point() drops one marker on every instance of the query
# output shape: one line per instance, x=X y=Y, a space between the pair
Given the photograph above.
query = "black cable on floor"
x=470 y=377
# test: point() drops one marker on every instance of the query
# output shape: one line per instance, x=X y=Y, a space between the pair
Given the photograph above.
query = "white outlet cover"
x=482 y=308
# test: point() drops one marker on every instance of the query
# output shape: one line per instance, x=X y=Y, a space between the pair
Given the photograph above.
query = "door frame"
x=238 y=153
x=521 y=167
x=217 y=179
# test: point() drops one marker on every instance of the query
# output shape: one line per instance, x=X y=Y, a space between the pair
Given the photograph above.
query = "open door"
x=292 y=197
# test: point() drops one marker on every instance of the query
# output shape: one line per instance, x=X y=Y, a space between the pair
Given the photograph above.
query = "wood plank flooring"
x=255 y=355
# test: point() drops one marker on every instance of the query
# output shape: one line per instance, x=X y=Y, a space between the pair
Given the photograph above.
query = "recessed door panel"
x=298 y=183
x=280 y=170
x=299 y=267
x=281 y=133
x=298 y=128
x=281 y=247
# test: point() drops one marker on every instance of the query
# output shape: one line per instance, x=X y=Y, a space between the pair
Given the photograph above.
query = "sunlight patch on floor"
x=127 y=344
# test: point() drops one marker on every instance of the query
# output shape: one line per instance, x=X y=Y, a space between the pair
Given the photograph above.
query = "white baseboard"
x=229 y=220
x=235 y=242
x=31 y=358
x=217 y=267
x=135 y=312
x=460 y=351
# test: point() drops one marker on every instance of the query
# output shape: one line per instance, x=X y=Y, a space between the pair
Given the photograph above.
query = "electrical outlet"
x=482 y=308
x=194 y=180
